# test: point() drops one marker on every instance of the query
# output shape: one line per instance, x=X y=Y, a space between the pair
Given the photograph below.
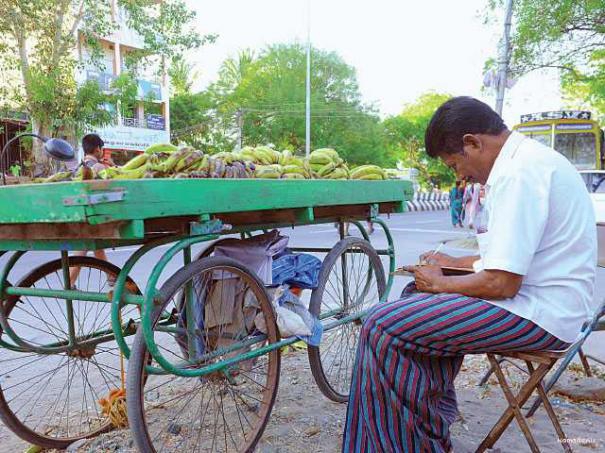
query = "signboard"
x=557 y=115
x=132 y=138
x=157 y=122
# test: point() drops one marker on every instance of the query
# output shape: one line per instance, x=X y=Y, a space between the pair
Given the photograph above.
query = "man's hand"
x=428 y=277
x=439 y=259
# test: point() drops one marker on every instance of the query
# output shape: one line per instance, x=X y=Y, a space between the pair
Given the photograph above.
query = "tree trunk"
x=42 y=164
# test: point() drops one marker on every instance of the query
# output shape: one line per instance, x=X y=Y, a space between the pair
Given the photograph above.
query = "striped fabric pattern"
x=410 y=351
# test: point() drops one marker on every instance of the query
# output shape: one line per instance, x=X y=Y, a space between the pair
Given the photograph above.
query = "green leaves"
x=568 y=35
x=265 y=92
x=406 y=138
x=39 y=45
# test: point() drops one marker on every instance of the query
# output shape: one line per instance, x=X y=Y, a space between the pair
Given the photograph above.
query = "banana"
x=136 y=162
x=60 y=176
x=109 y=173
x=362 y=170
x=161 y=148
x=189 y=161
x=292 y=176
x=296 y=161
x=329 y=151
x=371 y=177
x=137 y=173
x=320 y=159
x=326 y=169
x=285 y=157
x=338 y=173
x=294 y=169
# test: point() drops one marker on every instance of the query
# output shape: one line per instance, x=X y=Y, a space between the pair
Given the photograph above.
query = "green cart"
x=197 y=378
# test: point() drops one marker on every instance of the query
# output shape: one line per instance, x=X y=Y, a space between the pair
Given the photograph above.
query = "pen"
x=438 y=248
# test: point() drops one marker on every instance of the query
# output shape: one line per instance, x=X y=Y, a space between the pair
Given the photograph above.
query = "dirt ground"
x=303 y=420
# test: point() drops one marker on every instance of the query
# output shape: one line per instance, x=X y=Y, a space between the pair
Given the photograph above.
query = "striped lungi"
x=410 y=351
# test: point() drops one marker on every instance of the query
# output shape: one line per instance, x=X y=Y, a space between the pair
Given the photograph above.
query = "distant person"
x=471 y=202
x=94 y=162
x=456 y=194
x=15 y=170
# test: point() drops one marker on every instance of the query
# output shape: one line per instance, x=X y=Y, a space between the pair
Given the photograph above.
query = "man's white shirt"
x=538 y=221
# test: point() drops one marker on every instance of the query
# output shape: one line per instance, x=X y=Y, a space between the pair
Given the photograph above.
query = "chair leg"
x=489 y=372
x=549 y=410
x=555 y=377
x=514 y=405
x=585 y=363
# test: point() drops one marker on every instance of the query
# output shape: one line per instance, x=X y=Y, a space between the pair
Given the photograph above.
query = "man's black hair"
x=454 y=119
x=90 y=142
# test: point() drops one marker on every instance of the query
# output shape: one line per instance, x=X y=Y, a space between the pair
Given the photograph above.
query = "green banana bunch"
x=293 y=176
x=368 y=172
x=60 y=176
x=338 y=173
x=268 y=171
x=326 y=169
x=189 y=161
x=136 y=161
x=170 y=164
x=137 y=173
x=158 y=148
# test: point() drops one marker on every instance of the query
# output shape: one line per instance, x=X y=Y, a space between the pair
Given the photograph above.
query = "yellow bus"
x=573 y=133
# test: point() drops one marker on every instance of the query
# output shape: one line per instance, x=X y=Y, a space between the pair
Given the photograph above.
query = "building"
x=149 y=121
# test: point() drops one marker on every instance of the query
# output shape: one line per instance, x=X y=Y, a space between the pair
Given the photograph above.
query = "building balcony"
x=146 y=90
x=151 y=121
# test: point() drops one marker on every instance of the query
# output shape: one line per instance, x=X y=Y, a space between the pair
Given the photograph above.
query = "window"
x=545 y=139
x=580 y=149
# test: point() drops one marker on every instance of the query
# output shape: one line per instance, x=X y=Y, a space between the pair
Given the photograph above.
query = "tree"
x=38 y=39
x=267 y=93
x=182 y=76
x=568 y=35
x=406 y=139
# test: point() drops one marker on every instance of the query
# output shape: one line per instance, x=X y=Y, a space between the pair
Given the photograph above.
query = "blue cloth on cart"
x=300 y=270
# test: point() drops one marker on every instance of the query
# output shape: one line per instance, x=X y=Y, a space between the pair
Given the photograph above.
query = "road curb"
x=424 y=201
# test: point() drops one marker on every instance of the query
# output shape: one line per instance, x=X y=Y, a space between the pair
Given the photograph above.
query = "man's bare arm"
x=487 y=284
x=442 y=259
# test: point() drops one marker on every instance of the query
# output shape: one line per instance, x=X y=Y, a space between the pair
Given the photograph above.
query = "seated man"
x=531 y=290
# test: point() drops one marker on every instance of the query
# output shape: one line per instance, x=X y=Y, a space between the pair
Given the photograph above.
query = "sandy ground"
x=303 y=420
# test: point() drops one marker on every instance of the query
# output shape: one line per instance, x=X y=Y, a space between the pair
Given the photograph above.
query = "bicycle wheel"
x=228 y=409
x=350 y=281
x=51 y=399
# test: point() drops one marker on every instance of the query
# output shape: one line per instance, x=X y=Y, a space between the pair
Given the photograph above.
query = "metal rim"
x=63 y=388
x=337 y=297
x=226 y=410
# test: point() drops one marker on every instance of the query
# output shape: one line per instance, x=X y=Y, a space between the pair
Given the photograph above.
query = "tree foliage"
x=38 y=39
x=406 y=139
x=265 y=94
x=568 y=35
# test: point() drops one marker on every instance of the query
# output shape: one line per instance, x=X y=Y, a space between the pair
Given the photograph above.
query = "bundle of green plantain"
x=272 y=164
x=168 y=161
x=325 y=163
x=369 y=173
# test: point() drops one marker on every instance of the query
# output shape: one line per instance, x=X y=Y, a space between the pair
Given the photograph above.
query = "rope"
x=114 y=406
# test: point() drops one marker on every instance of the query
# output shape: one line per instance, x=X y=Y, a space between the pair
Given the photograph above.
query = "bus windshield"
x=579 y=148
x=542 y=138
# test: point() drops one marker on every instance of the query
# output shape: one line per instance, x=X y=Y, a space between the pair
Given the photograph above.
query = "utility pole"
x=308 y=85
x=504 y=58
